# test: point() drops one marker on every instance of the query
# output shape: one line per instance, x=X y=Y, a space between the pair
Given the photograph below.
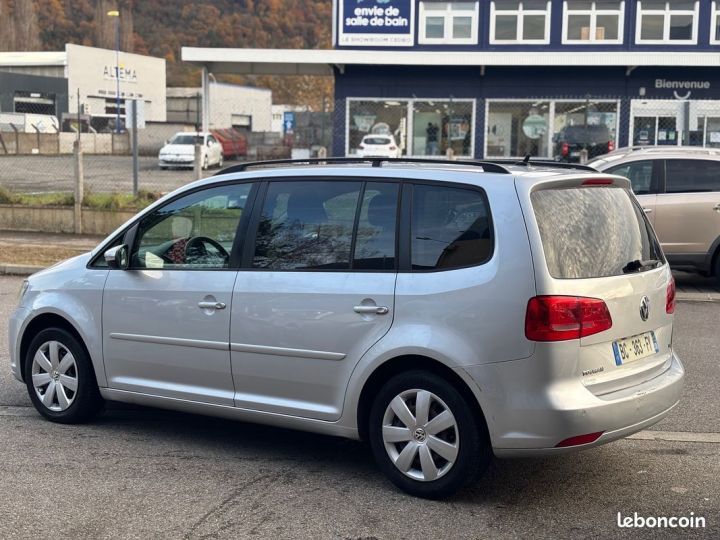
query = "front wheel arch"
x=402 y=364
x=43 y=322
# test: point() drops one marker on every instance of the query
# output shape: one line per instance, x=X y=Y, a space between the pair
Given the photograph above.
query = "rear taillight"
x=670 y=297
x=611 y=146
x=565 y=149
x=559 y=318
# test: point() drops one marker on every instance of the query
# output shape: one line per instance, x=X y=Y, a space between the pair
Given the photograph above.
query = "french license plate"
x=634 y=348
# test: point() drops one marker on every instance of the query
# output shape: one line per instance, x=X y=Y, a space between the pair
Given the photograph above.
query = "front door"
x=319 y=293
x=166 y=320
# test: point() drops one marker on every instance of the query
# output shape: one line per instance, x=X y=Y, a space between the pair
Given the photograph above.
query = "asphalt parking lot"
x=141 y=473
x=103 y=173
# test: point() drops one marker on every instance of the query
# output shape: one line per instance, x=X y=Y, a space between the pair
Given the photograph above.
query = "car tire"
x=452 y=428
x=60 y=378
x=716 y=270
x=205 y=164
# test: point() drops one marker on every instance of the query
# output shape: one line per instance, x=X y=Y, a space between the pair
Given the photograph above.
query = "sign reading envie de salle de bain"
x=387 y=23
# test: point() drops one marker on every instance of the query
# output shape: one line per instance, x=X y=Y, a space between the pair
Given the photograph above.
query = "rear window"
x=377 y=140
x=586 y=134
x=594 y=232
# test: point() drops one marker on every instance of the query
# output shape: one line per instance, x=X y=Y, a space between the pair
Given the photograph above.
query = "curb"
x=19 y=269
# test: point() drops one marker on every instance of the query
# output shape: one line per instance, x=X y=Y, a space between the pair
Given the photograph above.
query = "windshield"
x=594 y=232
x=186 y=139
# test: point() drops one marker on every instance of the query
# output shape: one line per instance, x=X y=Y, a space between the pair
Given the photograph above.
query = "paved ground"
x=38 y=174
x=140 y=473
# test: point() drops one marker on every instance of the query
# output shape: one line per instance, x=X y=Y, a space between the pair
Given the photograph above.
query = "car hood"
x=179 y=149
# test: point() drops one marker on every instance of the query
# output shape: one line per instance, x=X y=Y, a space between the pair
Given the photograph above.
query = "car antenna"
x=526 y=159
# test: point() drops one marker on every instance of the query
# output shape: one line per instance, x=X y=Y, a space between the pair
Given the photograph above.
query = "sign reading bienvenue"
x=388 y=23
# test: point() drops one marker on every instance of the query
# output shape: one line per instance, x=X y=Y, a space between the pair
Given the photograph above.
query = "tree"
x=27 y=31
x=7 y=30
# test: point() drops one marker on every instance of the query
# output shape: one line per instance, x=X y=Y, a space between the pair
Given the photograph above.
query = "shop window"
x=587 y=21
x=419 y=127
x=517 y=129
x=715 y=24
x=661 y=21
x=377 y=117
x=439 y=126
x=584 y=125
x=519 y=21
x=452 y=23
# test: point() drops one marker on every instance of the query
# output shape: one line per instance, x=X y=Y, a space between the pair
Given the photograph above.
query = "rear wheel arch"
x=43 y=322
x=400 y=364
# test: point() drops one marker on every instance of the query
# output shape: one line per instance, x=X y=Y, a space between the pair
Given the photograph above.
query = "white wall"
x=91 y=71
x=228 y=99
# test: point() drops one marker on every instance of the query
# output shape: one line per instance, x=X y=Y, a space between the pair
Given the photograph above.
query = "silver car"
x=443 y=312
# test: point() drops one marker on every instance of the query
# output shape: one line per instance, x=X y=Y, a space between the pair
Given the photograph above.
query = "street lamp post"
x=116 y=14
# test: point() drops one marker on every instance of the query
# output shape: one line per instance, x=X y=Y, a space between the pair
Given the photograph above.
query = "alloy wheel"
x=421 y=435
x=55 y=376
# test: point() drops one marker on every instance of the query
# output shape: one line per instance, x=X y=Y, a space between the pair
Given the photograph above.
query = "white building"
x=93 y=74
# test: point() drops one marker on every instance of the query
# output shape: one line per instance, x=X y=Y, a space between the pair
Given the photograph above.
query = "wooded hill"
x=161 y=27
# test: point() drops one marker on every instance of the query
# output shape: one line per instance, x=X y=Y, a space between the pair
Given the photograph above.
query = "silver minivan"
x=443 y=312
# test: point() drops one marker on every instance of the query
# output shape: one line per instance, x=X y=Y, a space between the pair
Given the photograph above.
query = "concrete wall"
x=229 y=99
x=59 y=219
x=62 y=143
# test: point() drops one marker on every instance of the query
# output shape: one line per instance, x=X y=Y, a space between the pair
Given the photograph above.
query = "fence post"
x=79 y=187
x=135 y=147
x=198 y=165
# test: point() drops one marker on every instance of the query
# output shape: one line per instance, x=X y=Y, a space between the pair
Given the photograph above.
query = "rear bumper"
x=526 y=419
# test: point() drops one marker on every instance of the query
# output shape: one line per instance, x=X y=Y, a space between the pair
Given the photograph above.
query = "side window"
x=212 y=140
x=375 y=243
x=307 y=225
x=451 y=228
x=194 y=232
x=691 y=175
x=640 y=174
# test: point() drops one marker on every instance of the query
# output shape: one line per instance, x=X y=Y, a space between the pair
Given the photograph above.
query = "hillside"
x=161 y=27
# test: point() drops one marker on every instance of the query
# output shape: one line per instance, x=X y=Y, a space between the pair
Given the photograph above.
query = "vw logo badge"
x=644 y=308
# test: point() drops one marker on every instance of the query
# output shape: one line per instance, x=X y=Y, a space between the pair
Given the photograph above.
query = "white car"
x=379 y=146
x=180 y=151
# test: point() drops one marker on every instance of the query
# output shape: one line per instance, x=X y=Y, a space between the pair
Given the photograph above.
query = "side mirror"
x=117 y=257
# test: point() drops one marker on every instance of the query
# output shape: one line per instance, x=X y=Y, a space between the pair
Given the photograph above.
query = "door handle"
x=371 y=310
x=211 y=305
x=647 y=210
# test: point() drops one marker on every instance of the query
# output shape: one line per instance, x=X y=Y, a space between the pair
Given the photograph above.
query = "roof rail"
x=542 y=162
x=487 y=166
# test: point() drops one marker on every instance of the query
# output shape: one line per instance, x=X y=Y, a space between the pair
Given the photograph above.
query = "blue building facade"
x=507 y=78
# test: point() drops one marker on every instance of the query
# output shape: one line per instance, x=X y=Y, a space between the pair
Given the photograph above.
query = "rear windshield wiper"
x=637 y=265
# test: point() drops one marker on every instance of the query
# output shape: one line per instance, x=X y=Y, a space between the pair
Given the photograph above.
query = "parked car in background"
x=571 y=140
x=679 y=189
x=180 y=151
x=441 y=312
x=379 y=146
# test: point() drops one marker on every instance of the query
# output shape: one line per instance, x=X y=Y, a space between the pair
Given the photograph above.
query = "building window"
x=451 y=23
x=419 y=127
x=715 y=24
x=600 y=21
x=660 y=21
x=557 y=129
x=519 y=21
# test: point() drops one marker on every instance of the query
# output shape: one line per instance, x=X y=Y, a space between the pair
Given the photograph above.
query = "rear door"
x=645 y=177
x=688 y=212
x=316 y=292
x=591 y=236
